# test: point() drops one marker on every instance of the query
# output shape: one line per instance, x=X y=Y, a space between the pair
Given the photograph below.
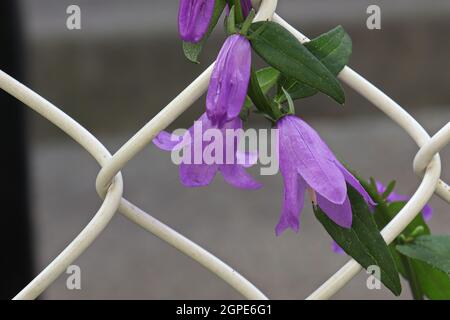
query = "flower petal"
x=167 y=141
x=246 y=7
x=341 y=214
x=305 y=148
x=194 y=17
x=246 y=159
x=336 y=248
x=238 y=177
x=293 y=196
x=394 y=197
x=229 y=80
x=380 y=187
x=427 y=212
x=197 y=175
x=355 y=183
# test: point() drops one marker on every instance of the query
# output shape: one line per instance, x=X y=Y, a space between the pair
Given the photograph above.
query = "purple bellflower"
x=306 y=162
x=200 y=172
x=194 y=17
x=229 y=80
x=427 y=211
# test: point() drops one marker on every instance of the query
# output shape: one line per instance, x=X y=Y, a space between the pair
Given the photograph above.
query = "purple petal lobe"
x=195 y=170
x=234 y=173
x=197 y=175
x=341 y=214
x=293 y=199
x=427 y=212
x=306 y=151
x=336 y=248
x=167 y=141
x=238 y=177
x=394 y=197
x=200 y=174
x=247 y=159
x=355 y=183
x=229 y=80
x=246 y=7
x=194 y=17
x=380 y=187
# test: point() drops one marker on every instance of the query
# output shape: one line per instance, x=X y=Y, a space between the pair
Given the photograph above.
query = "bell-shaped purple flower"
x=195 y=169
x=306 y=162
x=229 y=80
x=194 y=17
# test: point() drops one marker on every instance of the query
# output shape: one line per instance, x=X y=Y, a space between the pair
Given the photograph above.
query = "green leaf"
x=192 y=50
x=363 y=240
x=333 y=49
x=259 y=99
x=295 y=89
x=267 y=78
x=290 y=102
x=239 y=15
x=389 y=189
x=434 y=283
x=247 y=23
x=280 y=49
x=434 y=250
x=231 y=21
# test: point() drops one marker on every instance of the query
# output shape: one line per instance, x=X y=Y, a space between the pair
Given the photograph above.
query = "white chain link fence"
x=427 y=164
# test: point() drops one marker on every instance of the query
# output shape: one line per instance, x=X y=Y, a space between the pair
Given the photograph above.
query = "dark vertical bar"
x=15 y=237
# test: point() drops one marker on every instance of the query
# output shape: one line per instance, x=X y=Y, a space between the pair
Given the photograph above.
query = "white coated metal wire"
x=110 y=184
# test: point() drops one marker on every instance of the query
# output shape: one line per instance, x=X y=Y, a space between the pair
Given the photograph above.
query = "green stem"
x=412 y=278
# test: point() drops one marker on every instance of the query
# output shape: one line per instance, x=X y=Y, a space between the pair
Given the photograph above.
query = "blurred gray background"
x=126 y=64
